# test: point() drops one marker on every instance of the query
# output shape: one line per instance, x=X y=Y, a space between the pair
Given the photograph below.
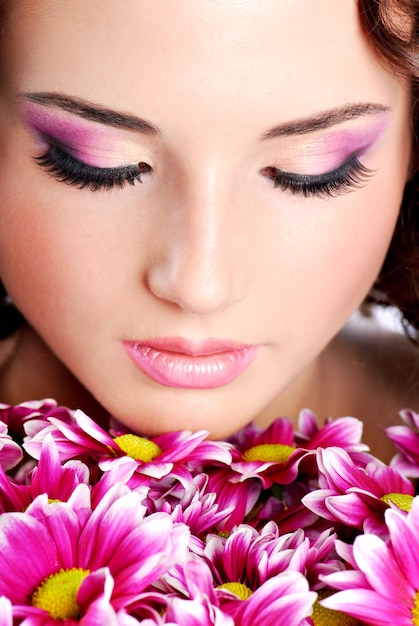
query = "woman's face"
x=268 y=150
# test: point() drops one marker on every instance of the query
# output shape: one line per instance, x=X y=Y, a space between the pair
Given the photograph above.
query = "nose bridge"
x=204 y=219
x=196 y=269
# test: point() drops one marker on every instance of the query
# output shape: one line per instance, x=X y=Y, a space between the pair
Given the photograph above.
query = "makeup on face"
x=326 y=150
x=104 y=146
x=94 y=144
x=177 y=362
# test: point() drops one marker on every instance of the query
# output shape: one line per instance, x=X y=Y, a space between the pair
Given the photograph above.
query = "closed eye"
x=348 y=177
x=67 y=169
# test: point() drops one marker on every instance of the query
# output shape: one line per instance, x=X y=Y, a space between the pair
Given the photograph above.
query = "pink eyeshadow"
x=331 y=150
x=80 y=139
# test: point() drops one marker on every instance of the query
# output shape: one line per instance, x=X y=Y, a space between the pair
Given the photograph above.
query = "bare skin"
x=224 y=240
x=365 y=373
x=369 y=374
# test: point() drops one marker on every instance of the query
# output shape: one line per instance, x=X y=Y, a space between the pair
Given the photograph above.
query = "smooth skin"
x=206 y=246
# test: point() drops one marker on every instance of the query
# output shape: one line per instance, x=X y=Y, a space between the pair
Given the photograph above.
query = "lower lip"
x=185 y=371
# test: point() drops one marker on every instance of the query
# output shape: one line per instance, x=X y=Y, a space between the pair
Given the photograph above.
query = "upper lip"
x=201 y=347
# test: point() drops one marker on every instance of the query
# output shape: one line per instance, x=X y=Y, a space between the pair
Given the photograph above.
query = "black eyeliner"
x=348 y=177
x=71 y=171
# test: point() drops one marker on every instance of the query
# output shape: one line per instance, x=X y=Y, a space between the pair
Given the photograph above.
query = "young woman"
x=194 y=200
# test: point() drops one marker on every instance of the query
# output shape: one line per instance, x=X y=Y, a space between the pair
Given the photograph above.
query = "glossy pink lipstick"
x=177 y=362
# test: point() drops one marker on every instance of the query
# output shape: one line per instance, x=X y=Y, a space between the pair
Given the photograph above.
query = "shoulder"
x=386 y=356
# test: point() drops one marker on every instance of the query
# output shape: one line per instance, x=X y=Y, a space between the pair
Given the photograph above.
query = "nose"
x=196 y=267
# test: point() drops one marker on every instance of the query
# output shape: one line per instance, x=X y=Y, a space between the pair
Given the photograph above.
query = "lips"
x=177 y=362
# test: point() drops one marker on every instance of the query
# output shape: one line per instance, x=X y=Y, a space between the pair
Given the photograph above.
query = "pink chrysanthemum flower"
x=16 y=416
x=342 y=432
x=10 y=452
x=283 y=505
x=193 y=506
x=315 y=556
x=49 y=477
x=274 y=456
x=283 y=600
x=200 y=607
x=260 y=458
x=354 y=496
x=406 y=439
x=269 y=454
x=61 y=561
x=154 y=458
x=240 y=496
x=383 y=587
x=247 y=558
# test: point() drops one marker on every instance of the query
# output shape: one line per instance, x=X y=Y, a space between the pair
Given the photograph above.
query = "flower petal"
x=404 y=539
x=375 y=559
x=27 y=556
x=367 y=605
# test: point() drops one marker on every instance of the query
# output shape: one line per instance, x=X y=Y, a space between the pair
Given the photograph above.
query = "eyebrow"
x=93 y=112
x=102 y=115
x=324 y=119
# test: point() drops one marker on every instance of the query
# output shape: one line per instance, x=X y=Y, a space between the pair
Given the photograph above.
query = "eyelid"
x=331 y=149
x=350 y=175
x=94 y=152
x=67 y=169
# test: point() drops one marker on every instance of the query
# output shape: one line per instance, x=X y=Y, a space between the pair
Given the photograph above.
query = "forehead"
x=291 y=55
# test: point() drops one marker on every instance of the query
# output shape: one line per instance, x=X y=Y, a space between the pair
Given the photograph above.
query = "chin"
x=150 y=410
x=151 y=421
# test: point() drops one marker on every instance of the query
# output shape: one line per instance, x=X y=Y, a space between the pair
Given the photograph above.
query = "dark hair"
x=392 y=26
x=10 y=318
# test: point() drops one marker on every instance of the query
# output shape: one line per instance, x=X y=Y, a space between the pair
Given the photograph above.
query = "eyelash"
x=346 y=178
x=68 y=170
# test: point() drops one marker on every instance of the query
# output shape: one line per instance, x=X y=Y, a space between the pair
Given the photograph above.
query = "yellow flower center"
x=239 y=590
x=57 y=594
x=138 y=448
x=415 y=610
x=327 y=617
x=402 y=500
x=269 y=452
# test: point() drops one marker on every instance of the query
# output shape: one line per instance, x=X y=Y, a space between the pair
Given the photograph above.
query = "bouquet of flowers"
x=272 y=527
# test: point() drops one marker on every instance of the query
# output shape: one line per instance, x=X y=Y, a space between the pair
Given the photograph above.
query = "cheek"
x=43 y=262
x=32 y=267
x=357 y=245
x=329 y=261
